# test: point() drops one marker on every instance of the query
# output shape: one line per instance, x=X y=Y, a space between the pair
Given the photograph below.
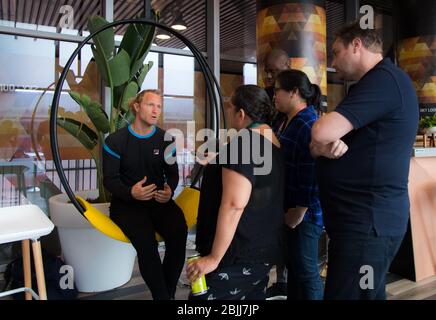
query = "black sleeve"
x=111 y=171
x=171 y=169
x=239 y=158
x=374 y=97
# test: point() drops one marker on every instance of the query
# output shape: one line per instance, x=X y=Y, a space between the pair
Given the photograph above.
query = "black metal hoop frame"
x=212 y=89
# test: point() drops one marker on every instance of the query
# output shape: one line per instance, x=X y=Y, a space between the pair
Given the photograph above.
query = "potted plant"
x=427 y=124
x=99 y=262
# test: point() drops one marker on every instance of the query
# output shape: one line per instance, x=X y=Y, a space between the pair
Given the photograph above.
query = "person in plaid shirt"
x=298 y=98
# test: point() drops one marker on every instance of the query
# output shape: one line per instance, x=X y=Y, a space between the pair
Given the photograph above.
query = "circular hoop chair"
x=188 y=199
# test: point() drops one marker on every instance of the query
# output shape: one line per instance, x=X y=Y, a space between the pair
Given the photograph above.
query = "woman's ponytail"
x=315 y=97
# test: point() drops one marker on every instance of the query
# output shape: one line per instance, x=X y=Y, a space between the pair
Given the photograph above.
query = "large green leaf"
x=94 y=110
x=98 y=117
x=104 y=41
x=137 y=40
x=103 y=66
x=140 y=60
x=103 y=48
x=136 y=66
x=76 y=97
x=80 y=131
x=147 y=34
x=130 y=91
x=131 y=40
x=145 y=69
x=118 y=93
x=119 y=68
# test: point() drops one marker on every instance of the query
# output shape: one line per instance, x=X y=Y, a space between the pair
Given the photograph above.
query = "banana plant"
x=123 y=71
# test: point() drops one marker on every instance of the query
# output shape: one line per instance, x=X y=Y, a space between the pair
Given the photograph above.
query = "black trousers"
x=357 y=265
x=245 y=281
x=139 y=222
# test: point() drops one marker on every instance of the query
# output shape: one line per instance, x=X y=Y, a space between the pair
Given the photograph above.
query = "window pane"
x=30 y=62
x=178 y=75
x=250 y=73
x=27 y=86
x=151 y=80
x=178 y=110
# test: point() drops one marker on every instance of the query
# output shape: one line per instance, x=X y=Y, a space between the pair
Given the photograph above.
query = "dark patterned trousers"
x=237 y=282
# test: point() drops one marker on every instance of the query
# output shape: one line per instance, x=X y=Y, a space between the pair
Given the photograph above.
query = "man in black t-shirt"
x=140 y=171
x=364 y=149
x=276 y=61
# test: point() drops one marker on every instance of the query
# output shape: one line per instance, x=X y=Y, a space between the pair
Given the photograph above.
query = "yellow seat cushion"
x=188 y=200
x=102 y=222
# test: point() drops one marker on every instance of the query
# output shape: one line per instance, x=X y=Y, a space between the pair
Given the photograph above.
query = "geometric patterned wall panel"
x=300 y=30
x=417 y=49
x=417 y=57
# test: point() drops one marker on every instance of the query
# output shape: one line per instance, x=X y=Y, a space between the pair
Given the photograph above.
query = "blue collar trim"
x=140 y=136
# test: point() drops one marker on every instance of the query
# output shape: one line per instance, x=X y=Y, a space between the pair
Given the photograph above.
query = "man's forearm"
x=333 y=150
x=316 y=149
x=330 y=128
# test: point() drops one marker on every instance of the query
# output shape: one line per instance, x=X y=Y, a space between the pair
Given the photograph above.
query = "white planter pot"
x=430 y=131
x=100 y=263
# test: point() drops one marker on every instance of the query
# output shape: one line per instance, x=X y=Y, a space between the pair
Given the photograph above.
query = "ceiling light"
x=179 y=24
x=162 y=35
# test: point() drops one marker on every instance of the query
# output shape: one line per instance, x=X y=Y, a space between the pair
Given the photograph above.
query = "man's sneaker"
x=278 y=291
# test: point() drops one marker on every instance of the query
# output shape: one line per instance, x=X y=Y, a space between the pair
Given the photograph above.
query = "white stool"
x=24 y=223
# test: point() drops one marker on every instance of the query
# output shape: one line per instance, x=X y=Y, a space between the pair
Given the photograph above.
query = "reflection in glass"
x=178 y=75
x=250 y=73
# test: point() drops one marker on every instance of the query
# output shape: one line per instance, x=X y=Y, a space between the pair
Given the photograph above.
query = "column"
x=299 y=28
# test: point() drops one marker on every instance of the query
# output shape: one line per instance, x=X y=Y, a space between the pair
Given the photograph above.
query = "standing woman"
x=141 y=173
x=241 y=213
x=298 y=98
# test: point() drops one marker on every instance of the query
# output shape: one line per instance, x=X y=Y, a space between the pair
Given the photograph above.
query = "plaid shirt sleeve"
x=306 y=186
